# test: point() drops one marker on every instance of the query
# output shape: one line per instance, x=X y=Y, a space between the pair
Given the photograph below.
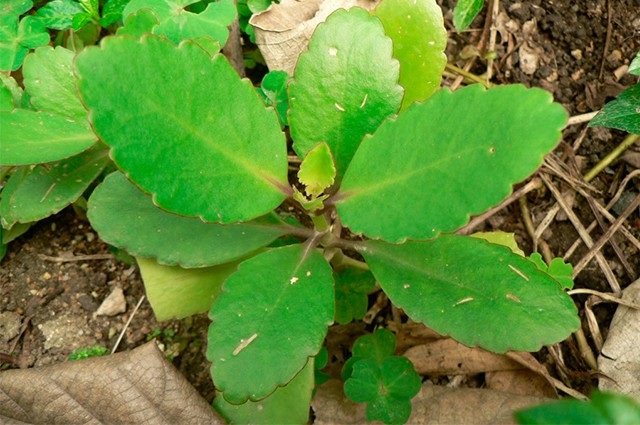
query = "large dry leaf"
x=620 y=357
x=283 y=31
x=136 y=387
x=432 y=405
x=522 y=382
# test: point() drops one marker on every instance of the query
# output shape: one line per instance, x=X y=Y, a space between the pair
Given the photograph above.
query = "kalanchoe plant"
x=382 y=185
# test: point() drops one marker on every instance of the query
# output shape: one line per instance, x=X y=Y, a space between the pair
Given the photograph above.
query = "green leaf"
x=387 y=386
x=139 y=23
x=464 y=12
x=317 y=171
x=287 y=405
x=344 y=85
x=271 y=317
x=162 y=8
x=35 y=137
x=419 y=39
x=321 y=361
x=11 y=93
x=501 y=238
x=454 y=155
x=558 y=269
x=622 y=113
x=112 y=11
x=32 y=33
x=604 y=408
x=126 y=217
x=37 y=193
x=352 y=286
x=213 y=23
x=80 y=20
x=91 y=7
x=175 y=292
x=167 y=141
x=476 y=292
x=274 y=92
x=11 y=53
x=49 y=80
x=376 y=346
x=634 y=68
x=58 y=14
x=16 y=7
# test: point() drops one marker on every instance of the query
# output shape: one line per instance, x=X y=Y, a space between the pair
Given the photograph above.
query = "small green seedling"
x=85 y=353
x=374 y=375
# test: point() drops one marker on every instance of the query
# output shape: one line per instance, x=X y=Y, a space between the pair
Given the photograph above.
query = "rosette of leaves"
x=204 y=170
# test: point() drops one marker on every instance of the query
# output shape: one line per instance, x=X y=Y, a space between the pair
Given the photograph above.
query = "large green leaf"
x=419 y=39
x=185 y=128
x=30 y=137
x=478 y=293
x=175 y=292
x=457 y=154
x=271 y=317
x=622 y=113
x=162 y=8
x=344 y=86
x=287 y=405
x=49 y=80
x=125 y=217
x=46 y=189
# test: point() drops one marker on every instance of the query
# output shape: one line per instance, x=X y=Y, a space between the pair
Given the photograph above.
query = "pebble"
x=114 y=304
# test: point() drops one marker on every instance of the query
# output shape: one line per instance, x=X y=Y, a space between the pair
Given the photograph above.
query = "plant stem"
x=612 y=156
x=341 y=260
x=469 y=75
x=320 y=222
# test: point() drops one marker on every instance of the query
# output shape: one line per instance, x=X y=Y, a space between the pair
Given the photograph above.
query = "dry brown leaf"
x=433 y=405
x=283 y=31
x=521 y=382
x=136 y=387
x=620 y=356
x=449 y=357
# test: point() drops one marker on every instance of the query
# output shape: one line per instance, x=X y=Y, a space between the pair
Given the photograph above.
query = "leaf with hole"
x=344 y=86
x=419 y=39
x=448 y=280
x=446 y=159
x=126 y=217
x=253 y=333
x=206 y=148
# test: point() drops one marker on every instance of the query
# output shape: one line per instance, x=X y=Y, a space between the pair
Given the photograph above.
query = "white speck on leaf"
x=333 y=51
x=522 y=275
x=364 y=101
x=431 y=43
x=244 y=343
x=293 y=280
x=464 y=300
x=339 y=108
x=309 y=273
x=406 y=286
x=513 y=298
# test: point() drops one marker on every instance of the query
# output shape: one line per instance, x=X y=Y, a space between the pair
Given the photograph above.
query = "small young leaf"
x=35 y=137
x=49 y=80
x=162 y=8
x=501 y=238
x=446 y=159
x=112 y=11
x=213 y=23
x=58 y=14
x=476 y=292
x=139 y=23
x=91 y=7
x=464 y=12
x=558 y=269
x=12 y=93
x=80 y=20
x=126 y=217
x=604 y=408
x=344 y=86
x=317 y=171
x=271 y=317
x=419 y=39
x=622 y=113
x=32 y=33
x=42 y=191
x=203 y=147
x=634 y=68
x=175 y=292
x=387 y=386
x=377 y=346
x=352 y=286
x=287 y=405
x=274 y=92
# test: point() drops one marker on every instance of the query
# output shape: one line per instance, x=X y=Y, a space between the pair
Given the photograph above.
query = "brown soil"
x=578 y=47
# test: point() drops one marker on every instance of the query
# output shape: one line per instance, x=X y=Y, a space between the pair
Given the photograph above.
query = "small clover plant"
x=388 y=167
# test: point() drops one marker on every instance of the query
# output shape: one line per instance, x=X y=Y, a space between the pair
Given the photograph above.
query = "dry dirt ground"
x=55 y=276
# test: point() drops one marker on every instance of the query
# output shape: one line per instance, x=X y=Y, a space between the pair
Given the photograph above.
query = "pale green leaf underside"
x=184 y=127
x=49 y=80
x=344 y=86
x=125 y=217
x=30 y=137
x=419 y=39
x=33 y=194
x=271 y=317
x=457 y=154
x=174 y=292
x=478 y=293
x=287 y=405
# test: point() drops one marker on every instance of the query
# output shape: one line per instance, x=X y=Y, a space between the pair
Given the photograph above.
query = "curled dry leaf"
x=283 y=31
x=138 y=386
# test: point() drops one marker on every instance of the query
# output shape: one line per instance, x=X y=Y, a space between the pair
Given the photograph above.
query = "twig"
x=233 y=48
x=579 y=119
x=77 y=258
x=605 y=296
x=585 y=350
x=607 y=40
x=492 y=37
x=126 y=325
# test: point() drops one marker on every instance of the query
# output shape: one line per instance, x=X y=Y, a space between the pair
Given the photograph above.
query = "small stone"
x=577 y=53
x=46 y=276
x=9 y=325
x=114 y=304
